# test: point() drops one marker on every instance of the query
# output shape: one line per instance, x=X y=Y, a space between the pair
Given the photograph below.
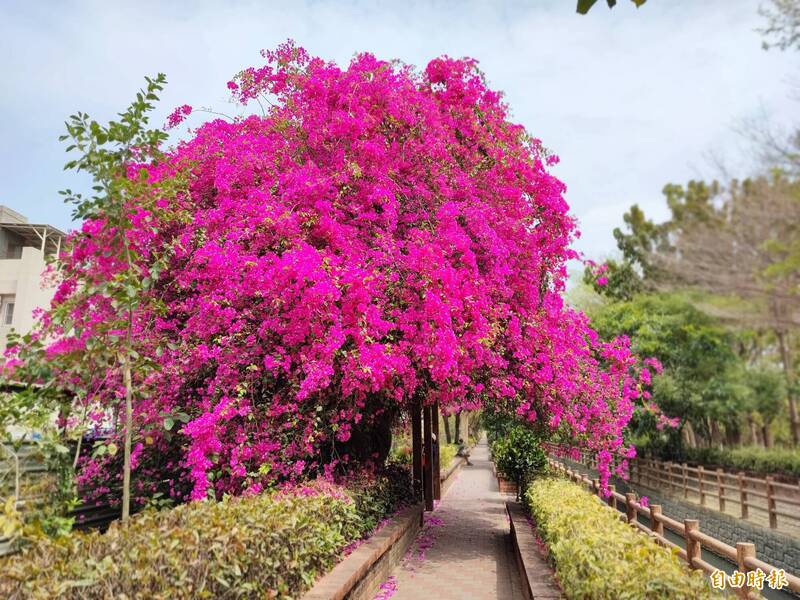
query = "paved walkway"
x=464 y=550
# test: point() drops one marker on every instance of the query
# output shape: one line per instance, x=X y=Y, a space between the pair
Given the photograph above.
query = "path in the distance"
x=464 y=550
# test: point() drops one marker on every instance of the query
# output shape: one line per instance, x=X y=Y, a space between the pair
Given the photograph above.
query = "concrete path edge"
x=536 y=576
x=358 y=577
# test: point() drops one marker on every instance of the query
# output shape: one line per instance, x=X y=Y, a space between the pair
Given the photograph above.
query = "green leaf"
x=585 y=5
x=169 y=423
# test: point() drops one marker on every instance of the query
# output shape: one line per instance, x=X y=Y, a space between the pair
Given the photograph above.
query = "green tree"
x=739 y=245
x=109 y=154
x=702 y=381
x=110 y=355
x=585 y=5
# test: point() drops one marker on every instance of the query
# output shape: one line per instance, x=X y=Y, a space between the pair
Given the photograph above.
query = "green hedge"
x=268 y=546
x=748 y=458
x=447 y=452
x=599 y=557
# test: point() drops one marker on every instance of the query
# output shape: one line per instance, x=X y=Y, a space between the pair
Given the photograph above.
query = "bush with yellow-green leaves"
x=599 y=557
x=447 y=453
x=266 y=546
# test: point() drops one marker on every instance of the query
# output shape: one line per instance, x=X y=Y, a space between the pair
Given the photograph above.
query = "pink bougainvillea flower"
x=380 y=235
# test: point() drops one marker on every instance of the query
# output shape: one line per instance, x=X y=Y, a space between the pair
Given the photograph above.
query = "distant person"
x=463 y=451
x=434 y=449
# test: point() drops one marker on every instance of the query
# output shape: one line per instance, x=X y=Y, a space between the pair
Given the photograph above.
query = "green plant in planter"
x=519 y=456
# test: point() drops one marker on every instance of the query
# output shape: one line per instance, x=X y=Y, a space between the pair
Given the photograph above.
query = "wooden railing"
x=716 y=488
x=743 y=555
x=24 y=470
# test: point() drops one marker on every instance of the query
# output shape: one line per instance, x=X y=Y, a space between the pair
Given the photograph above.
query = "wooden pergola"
x=425 y=460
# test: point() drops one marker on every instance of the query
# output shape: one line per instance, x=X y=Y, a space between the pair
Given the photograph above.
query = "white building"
x=23 y=247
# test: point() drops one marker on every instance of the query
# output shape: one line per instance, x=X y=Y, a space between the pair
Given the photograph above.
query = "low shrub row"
x=599 y=557
x=785 y=461
x=750 y=458
x=268 y=546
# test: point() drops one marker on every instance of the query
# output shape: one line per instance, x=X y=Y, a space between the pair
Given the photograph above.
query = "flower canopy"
x=376 y=236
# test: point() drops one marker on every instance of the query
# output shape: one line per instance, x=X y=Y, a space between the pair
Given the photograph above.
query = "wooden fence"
x=727 y=491
x=24 y=475
x=743 y=555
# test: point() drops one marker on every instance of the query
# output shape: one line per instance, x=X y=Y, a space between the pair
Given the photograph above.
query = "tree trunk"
x=716 y=435
x=767 y=433
x=689 y=437
x=733 y=435
x=457 y=431
x=754 y=439
x=126 y=470
x=446 y=422
x=786 y=359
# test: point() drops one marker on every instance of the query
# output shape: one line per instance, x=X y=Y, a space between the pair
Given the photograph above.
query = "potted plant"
x=518 y=458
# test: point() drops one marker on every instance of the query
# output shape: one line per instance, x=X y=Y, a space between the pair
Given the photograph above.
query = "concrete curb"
x=359 y=576
x=536 y=576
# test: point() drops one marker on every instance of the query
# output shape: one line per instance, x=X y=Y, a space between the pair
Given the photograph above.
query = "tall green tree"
x=702 y=380
x=739 y=245
x=122 y=193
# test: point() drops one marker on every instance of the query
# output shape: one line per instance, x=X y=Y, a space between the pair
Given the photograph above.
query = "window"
x=8 y=310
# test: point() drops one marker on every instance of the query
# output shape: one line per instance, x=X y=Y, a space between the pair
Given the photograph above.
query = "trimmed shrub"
x=519 y=455
x=599 y=557
x=783 y=461
x=447 y=452
x=377 y=496
x=267 y=546
x=749 y=458
x=763 y=460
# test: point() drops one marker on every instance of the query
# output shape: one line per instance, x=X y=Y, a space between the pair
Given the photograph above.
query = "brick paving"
x=464 y=550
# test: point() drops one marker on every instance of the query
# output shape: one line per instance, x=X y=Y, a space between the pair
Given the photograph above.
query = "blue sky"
x=629 y=99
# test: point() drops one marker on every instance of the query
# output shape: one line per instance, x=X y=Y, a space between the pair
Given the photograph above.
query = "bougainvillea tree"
x=374 y=236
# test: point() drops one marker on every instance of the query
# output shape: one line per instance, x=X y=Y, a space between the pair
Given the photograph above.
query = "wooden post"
x=744 y=550
x=612 y=499
x=655 y=523
x=743 y=494
x=437 y=467
x=693 y=547
x=416 y=447
x=773 y=517
x=427 y=458
x=721 y=491
x=596 y=486
x=630 y=509
x=685 y=482
x=700 y=484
